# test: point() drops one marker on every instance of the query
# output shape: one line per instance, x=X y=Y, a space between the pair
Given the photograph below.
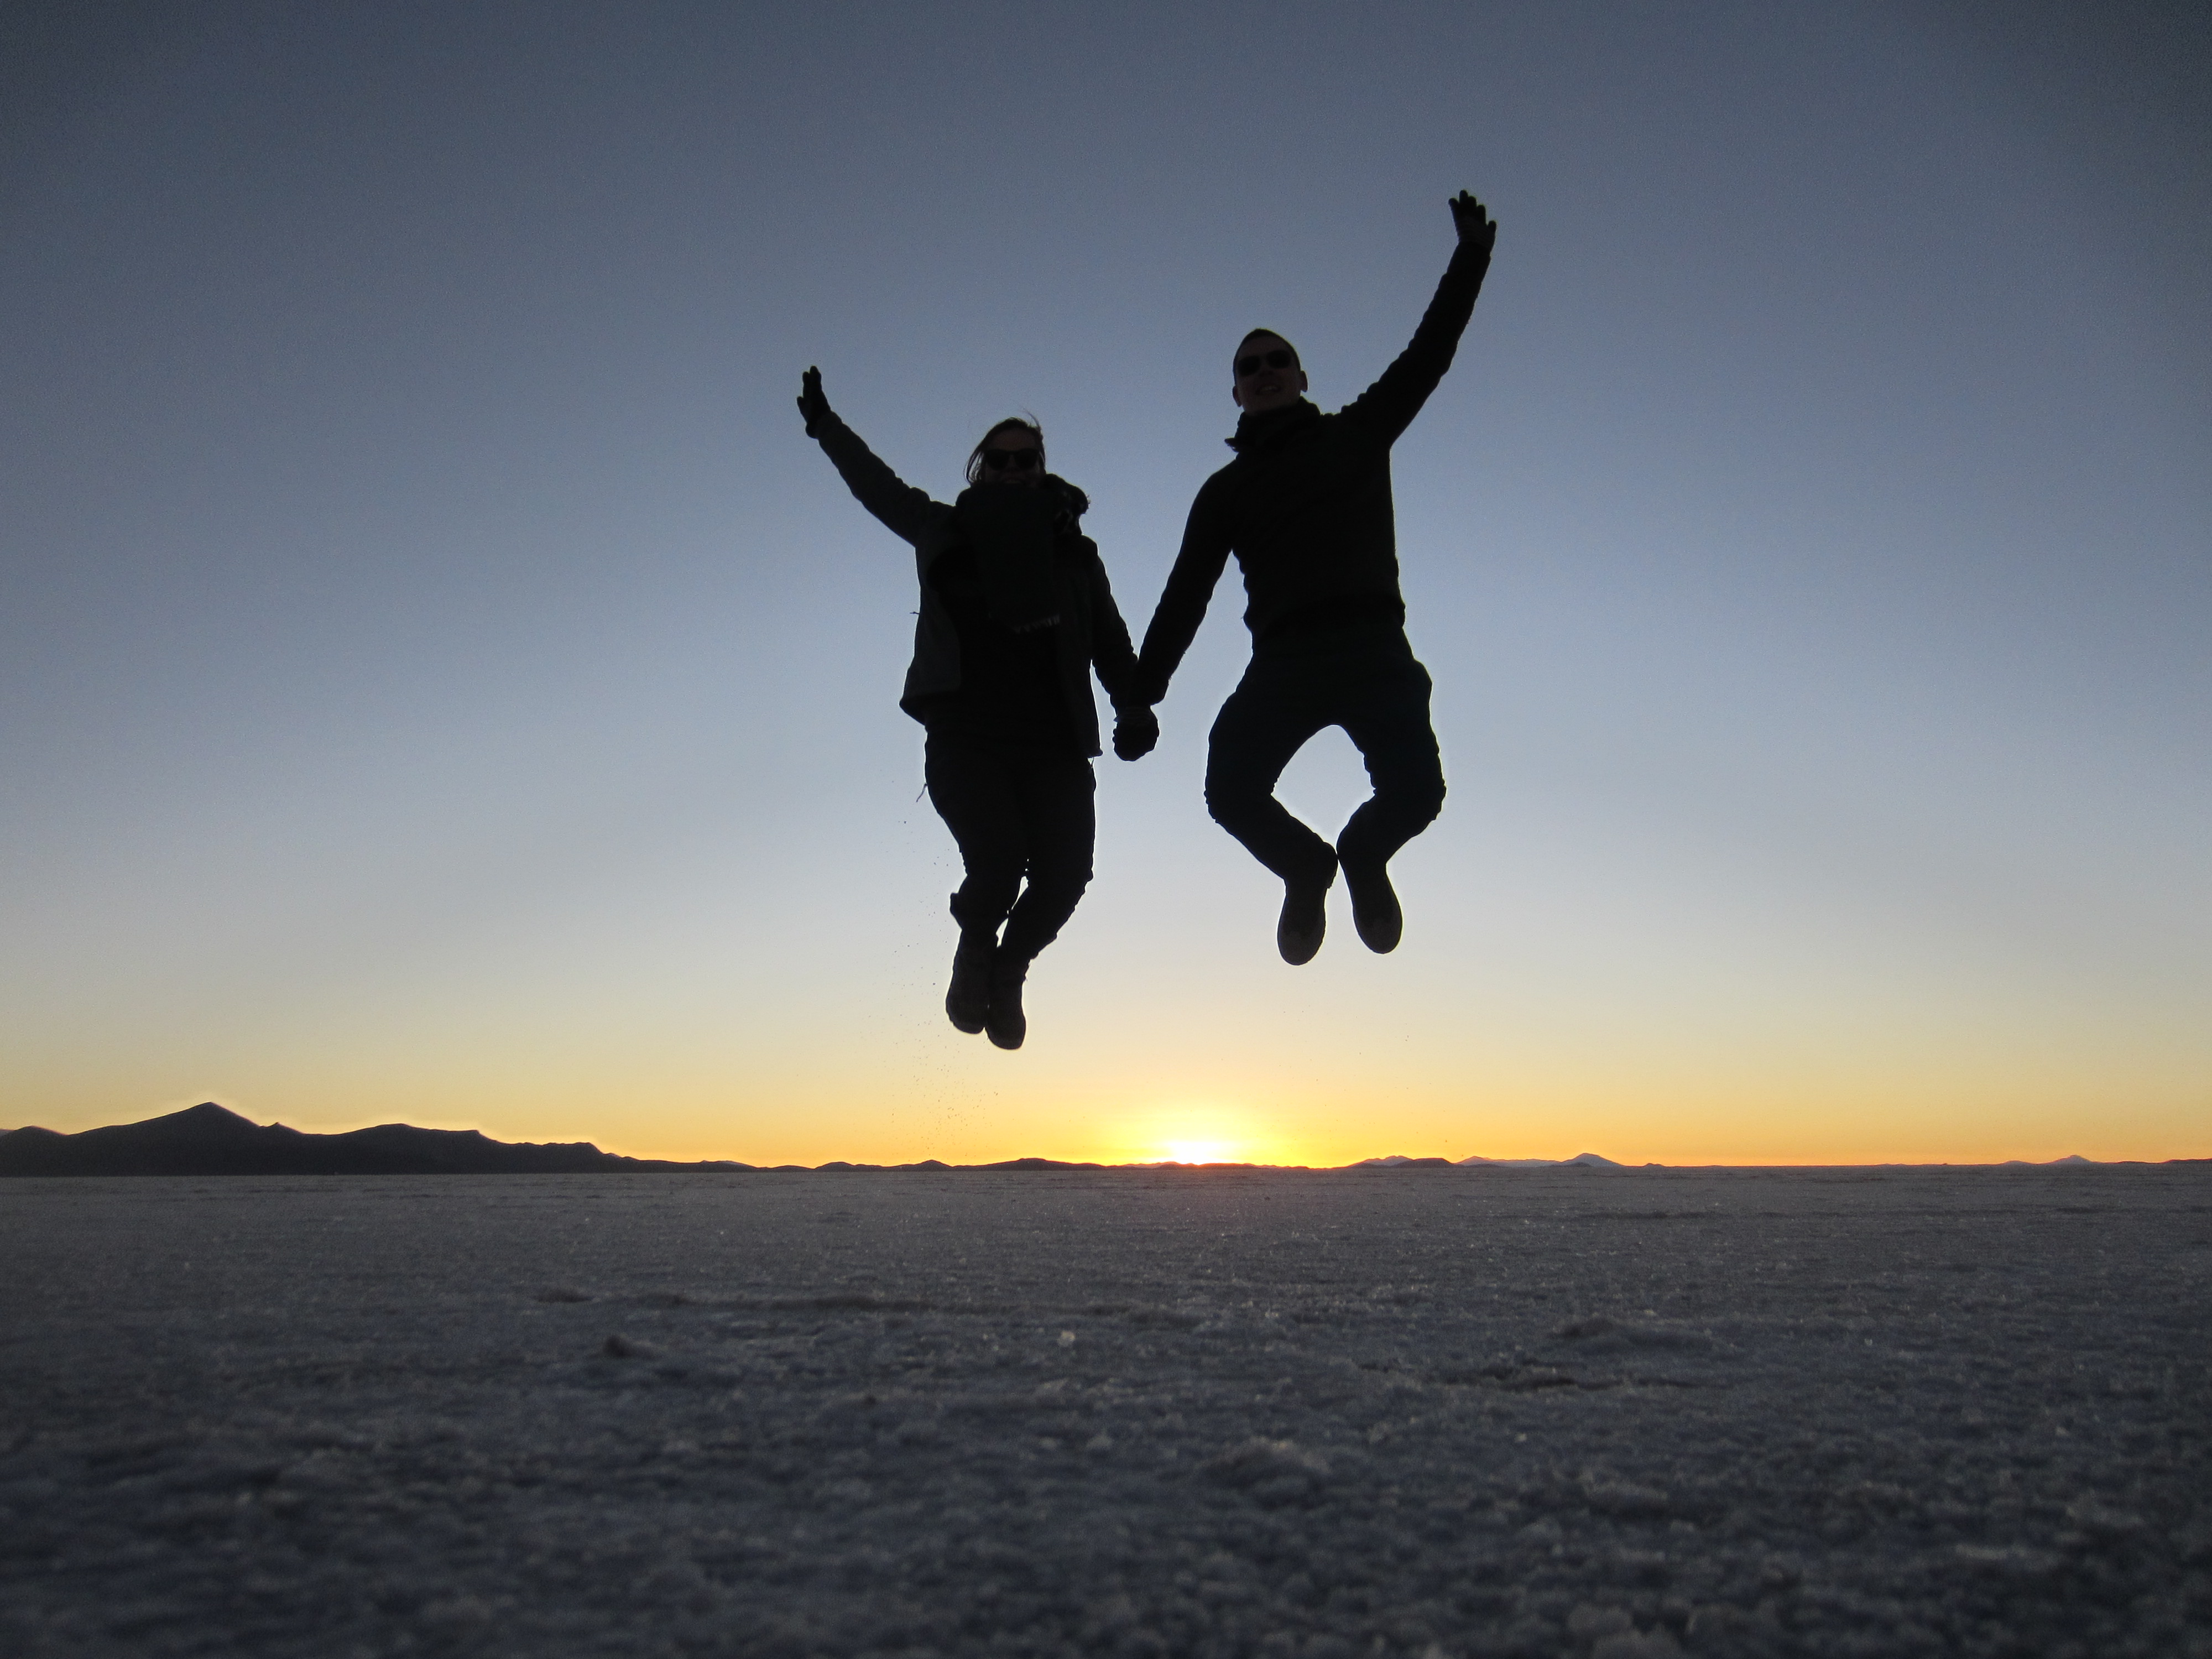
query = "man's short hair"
x=1261 y=334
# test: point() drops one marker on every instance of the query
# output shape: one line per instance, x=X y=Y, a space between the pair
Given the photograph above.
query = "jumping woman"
x=1015 y=614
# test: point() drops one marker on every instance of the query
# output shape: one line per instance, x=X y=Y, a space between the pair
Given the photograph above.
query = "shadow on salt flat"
x=1654 y=1353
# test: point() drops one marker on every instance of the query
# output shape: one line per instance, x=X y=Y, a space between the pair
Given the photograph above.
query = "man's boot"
x=1375 y=910
x=1298 y=930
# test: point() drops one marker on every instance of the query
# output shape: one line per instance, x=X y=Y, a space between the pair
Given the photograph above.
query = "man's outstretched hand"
x=1136 y=729
x=1476 y=228
x=812 y=405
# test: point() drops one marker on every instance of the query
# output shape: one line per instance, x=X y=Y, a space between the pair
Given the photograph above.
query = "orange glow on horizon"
x=1199 y=1152
x=1081 y=1119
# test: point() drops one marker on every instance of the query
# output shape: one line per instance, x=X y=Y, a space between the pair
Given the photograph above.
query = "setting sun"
x=1198 y=1152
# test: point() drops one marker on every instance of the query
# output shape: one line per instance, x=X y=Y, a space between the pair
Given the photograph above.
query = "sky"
x=443 y=684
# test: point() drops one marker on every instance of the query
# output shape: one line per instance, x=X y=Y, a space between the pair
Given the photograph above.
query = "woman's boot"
x=1007 y=1024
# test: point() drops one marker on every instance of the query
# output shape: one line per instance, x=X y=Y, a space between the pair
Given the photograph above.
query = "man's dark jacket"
x=1090 y=632
x=1305 y=506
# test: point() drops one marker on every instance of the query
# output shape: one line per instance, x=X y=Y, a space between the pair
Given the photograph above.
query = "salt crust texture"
x=1441 y=1412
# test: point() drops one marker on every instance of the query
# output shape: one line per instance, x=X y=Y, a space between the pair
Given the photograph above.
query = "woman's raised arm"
x=906 y=512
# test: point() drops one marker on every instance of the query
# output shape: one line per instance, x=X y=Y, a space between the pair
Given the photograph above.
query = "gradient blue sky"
x=442 y=684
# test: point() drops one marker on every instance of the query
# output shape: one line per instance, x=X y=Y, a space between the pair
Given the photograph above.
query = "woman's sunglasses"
x=1276 y=359
x=1022 y=460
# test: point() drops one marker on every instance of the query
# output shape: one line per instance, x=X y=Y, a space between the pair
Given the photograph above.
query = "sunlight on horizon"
x=1199 y=1151
x=1681 y=1128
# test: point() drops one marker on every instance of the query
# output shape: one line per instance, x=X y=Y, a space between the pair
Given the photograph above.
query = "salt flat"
x=1531 y=1413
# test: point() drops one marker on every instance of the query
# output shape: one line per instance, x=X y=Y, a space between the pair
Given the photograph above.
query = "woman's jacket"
x=1090 y=634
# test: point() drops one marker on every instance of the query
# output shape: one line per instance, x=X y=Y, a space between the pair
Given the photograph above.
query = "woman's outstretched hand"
x=812 y=405
x=1475 y=226
x=1136 y=729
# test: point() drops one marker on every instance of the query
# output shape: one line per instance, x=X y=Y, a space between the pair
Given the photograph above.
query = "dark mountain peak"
x=208 y=1140
x=206 y=1118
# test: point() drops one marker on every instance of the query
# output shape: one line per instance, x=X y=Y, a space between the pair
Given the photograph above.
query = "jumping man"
x=1306 y=508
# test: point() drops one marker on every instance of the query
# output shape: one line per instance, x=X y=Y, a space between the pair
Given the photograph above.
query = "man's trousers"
x=1364 y=677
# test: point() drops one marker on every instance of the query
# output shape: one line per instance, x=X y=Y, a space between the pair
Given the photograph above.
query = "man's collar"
x=1255 y=431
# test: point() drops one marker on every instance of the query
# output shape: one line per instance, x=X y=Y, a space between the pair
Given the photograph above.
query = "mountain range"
x=208 y=1140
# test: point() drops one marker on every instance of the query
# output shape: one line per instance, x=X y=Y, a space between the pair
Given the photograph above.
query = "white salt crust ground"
x=1275 y=1414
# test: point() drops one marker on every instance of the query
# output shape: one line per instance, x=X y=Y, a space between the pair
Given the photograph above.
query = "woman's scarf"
x=1012 y=530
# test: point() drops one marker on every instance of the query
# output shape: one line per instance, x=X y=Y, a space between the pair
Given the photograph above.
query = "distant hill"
x=1587 y=1160
x=207 y=1140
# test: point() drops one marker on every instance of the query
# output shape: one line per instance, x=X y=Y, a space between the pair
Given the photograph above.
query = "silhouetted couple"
x=1016 y=613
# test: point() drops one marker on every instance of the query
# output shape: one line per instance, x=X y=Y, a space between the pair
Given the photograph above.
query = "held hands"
x=812 y=405
x=1476 y=226
x=1136 y=729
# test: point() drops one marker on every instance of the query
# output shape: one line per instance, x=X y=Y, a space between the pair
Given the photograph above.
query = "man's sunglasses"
x=1275 y=359
x=1022 y=460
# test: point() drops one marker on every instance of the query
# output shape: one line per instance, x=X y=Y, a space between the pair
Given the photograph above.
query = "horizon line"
x=210 y=1116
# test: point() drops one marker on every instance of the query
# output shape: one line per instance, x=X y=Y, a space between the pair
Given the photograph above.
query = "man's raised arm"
x=1388 y=407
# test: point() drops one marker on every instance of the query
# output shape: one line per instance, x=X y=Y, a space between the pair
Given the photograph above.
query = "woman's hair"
x=1012 y=424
